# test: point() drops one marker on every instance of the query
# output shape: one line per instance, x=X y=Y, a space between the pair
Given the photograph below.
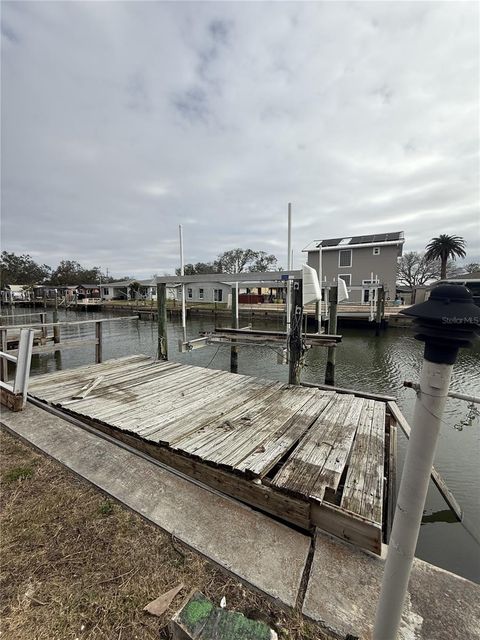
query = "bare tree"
x=414 y=269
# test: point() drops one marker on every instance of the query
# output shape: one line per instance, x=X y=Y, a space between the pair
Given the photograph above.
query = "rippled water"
x=364 y=362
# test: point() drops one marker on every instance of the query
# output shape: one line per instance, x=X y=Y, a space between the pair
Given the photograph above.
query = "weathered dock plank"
x=285 y=449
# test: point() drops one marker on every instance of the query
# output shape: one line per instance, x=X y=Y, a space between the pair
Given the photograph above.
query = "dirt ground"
x=76 y=565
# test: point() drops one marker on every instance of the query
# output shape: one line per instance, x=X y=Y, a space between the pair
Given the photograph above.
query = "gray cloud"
x=122 y=120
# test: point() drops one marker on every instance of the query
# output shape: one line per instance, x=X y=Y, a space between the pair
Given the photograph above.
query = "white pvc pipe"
x=429 y=406
x=236 y=306
x=182 y=273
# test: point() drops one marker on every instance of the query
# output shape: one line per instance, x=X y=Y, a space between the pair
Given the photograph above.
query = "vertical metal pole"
x=162 y=321
x=295 y=350
x=332 y=329
x=318 y=305
x=98 y=346
x=3 y=361
x=289 y=266
x=182 y=273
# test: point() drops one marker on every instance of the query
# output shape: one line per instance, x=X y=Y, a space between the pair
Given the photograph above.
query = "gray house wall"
x=208 y=292
x=364 y=262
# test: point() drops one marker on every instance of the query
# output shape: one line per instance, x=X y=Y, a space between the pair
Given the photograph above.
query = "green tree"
x=22 y=270
x=133 y=290
x=71 y=272
x=238 y=260
x=472 y=267
x=200 y=267
x=264 y=262
x=443 y=248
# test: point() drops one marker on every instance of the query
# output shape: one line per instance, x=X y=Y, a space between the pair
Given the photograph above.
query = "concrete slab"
x=344 y=585
x=261 y=552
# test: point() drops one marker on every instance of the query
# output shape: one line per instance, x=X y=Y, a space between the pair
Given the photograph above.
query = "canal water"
x=364 y=362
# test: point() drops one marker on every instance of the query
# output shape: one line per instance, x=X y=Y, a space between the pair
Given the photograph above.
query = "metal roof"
x=345 y=241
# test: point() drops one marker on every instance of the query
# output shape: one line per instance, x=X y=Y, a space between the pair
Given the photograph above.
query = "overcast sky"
x=122 y=120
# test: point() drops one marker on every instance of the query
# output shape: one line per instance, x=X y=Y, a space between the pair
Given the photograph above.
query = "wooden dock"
x=310 y=457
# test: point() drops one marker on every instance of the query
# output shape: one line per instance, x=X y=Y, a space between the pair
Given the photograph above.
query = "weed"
x=106 y=508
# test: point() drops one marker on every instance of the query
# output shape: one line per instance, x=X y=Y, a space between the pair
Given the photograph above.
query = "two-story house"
x=360 y=261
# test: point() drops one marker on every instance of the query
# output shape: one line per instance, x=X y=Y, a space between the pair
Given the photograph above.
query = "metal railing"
x=15 y=394
x=51 y=343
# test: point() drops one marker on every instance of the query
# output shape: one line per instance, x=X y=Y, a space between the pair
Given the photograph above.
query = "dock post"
x=43 y=320
x=3 y=361
x=295 y=347
x=332 y=329
x=162 y=321
x=98 y=346
x=379 y=315
x=233 y=349
x=446 y=322
x=56 y=330
x=318 y=316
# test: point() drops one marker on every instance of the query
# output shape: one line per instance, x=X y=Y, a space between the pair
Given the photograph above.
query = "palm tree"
x=443 y=248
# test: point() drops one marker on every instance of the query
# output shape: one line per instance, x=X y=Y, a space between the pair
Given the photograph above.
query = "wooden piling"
x=43 y=320
x=379 y=314
x=295 y=350
x=233 y=349
x=162 y=321
x=56 y=330
x=98 y=346
x=332 y=329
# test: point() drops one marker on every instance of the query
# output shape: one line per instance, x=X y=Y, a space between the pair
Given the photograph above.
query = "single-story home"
x=13 y=292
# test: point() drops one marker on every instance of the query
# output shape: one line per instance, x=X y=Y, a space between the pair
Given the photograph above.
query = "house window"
x=345 y=258
x=200 y=294
x=218 y=295
x=376 y=251
x=105 y=291
x=190 y=293
x=347 y=278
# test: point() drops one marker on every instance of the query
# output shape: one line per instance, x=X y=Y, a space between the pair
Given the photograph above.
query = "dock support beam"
x=56 y=330
x=332 y=329
x=162 y=321
x=98 y=346
x=379 y=316
x=295 y=350
x=233 y=349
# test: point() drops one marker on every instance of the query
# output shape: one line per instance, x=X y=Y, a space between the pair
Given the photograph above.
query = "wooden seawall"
x=311 y=457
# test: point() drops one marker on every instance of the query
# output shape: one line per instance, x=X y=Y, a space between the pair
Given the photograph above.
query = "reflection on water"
x=364 y=362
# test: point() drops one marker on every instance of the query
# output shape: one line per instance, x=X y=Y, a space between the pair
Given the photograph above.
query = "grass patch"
x=18 y=473
x=106 y=508
x=67 y=572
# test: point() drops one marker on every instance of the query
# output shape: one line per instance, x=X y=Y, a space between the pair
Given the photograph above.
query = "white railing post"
x=24 y=358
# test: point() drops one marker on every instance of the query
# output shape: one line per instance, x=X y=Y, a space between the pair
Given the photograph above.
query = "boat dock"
x=310 y=457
